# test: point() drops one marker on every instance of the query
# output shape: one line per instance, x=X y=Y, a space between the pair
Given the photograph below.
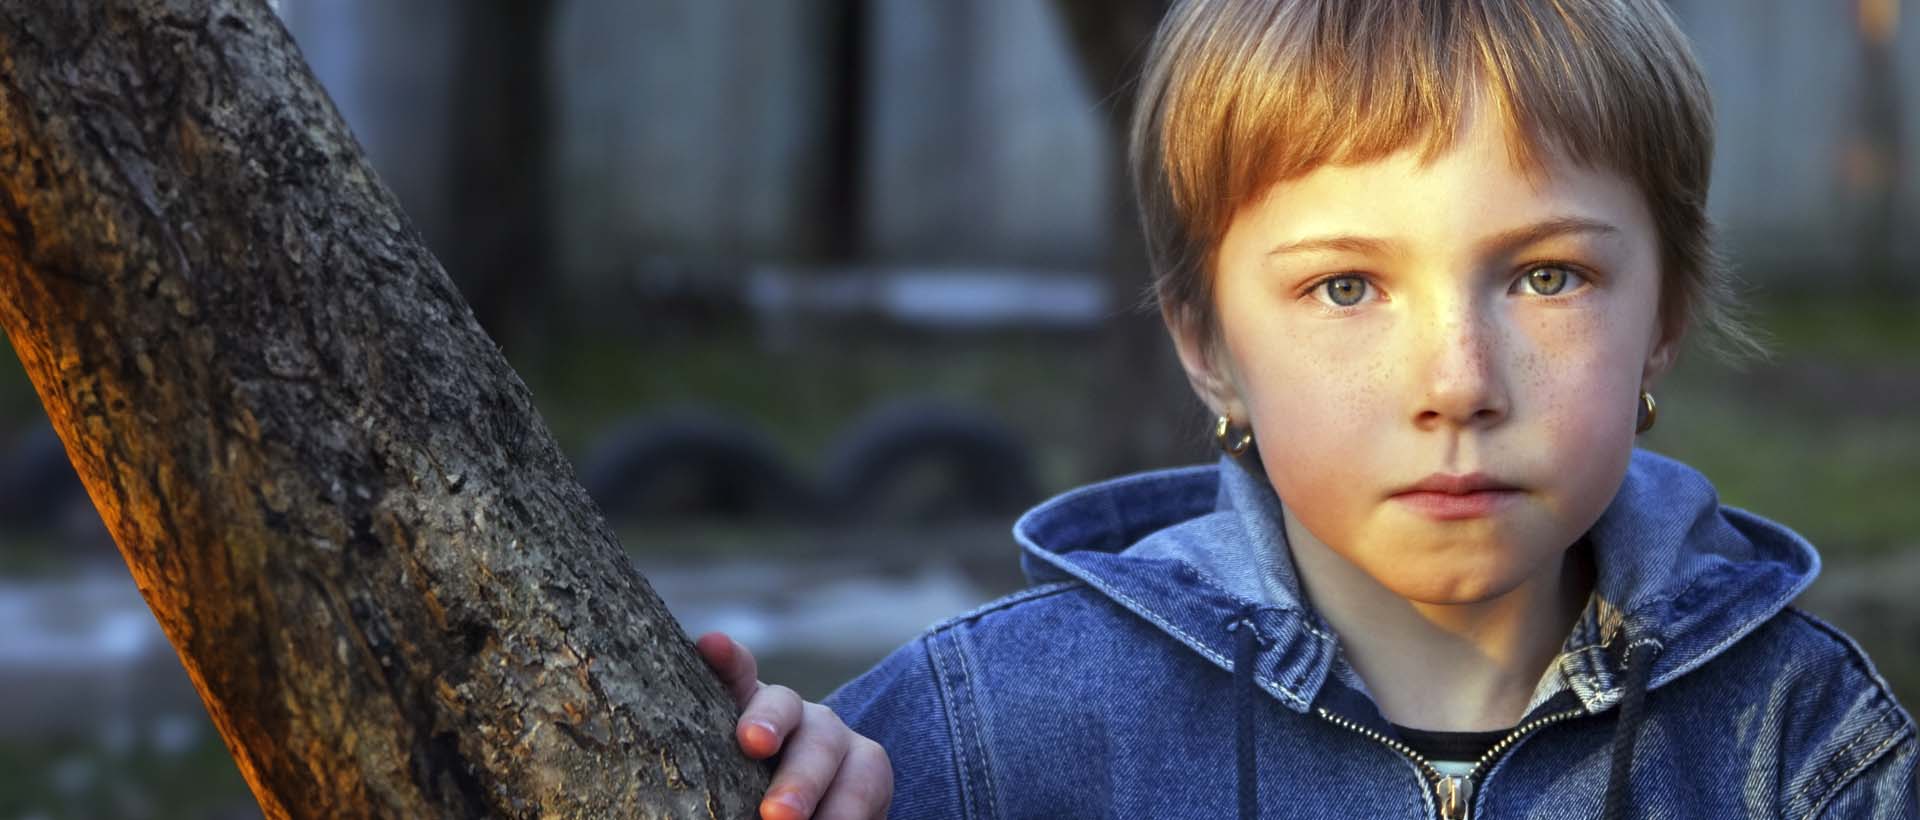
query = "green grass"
x=1845 y=481
x=1844 y=333
x=73 y=777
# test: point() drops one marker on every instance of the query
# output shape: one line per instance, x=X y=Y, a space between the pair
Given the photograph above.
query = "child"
x=1425 y=262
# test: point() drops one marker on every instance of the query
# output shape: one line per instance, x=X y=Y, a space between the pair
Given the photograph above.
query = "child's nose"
x=1458 y=380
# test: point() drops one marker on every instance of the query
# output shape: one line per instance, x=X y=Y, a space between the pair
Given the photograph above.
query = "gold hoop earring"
x=1221 y=433
x=1647 y=413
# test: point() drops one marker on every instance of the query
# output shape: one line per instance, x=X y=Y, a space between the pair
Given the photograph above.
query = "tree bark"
x=335 y=495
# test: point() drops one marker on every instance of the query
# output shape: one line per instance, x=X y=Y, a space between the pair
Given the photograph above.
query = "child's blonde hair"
x=1240 y=94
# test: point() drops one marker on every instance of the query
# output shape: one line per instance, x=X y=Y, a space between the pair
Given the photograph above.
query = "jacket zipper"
x=1453 y=795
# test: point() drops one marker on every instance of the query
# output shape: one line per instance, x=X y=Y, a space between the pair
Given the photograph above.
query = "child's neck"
x=1465 y=667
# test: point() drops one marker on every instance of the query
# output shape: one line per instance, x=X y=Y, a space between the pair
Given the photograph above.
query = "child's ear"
x=1665 y=352
x=1207 y=369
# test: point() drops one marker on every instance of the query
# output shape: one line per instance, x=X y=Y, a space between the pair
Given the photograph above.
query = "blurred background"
x=819 y=294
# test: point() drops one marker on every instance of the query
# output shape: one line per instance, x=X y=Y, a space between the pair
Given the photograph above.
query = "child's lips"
x=1455 y=506
x=1457 y=484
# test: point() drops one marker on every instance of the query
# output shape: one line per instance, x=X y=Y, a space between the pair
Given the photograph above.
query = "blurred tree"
x=335 y=495
x=841 y=228
x=501 y=168
x=1875 y=165
x=1139 y=371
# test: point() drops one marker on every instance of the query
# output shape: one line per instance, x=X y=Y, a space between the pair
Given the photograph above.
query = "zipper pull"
x=1452 y=793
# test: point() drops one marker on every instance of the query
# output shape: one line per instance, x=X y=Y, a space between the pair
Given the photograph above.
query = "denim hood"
x=1193 y=550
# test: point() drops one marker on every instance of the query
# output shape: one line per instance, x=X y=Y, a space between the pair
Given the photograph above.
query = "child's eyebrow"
x=1505 y=240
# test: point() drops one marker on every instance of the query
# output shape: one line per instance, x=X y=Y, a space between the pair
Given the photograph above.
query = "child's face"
x=1447 y=336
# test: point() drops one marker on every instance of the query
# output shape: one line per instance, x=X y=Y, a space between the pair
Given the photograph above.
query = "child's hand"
x=826 y=766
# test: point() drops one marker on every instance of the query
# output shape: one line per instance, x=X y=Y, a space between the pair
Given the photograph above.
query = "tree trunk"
x=840 y=212
x=1878 y=167
x=501 y=165
x=1139 y=370
x=337 y=498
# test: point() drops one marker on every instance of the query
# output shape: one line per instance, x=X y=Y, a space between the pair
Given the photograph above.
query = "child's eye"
x=1549 y=280
x=1343 y=291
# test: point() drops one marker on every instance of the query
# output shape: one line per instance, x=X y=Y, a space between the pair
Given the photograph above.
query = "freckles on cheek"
x=1317 y=408
x=1579 y=417
x=1585 y=383
x=1318 y=396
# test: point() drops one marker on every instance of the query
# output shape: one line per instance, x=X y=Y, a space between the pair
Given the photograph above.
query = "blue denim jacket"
x=1117 y=685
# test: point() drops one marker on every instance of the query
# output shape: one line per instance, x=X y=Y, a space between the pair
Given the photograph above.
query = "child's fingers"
x=812 y=757
x=863 y=788
x=768 y=719
x=733 y=663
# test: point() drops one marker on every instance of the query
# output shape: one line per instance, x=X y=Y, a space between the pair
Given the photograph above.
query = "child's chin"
x=1457 y=583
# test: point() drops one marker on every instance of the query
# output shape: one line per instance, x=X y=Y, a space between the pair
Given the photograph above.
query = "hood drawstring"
x=1638 y=668
x=1245 y=693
